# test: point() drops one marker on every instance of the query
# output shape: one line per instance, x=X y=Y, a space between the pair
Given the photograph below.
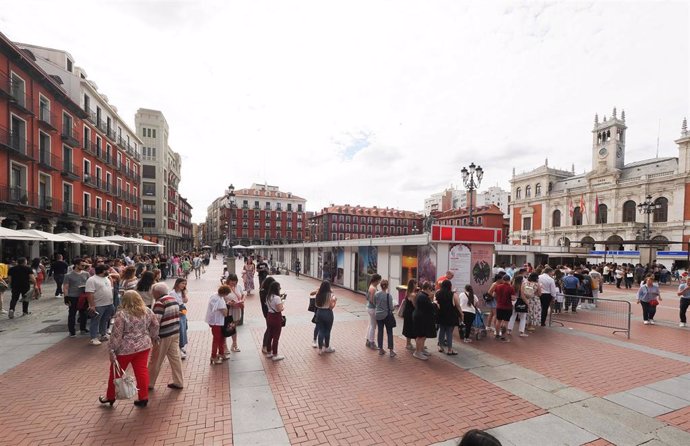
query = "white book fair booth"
x=466 y=251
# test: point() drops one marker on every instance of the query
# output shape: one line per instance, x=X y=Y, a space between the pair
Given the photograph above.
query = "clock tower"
x=608 y=142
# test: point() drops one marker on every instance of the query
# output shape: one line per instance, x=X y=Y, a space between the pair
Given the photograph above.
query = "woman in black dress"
x=408 y=324
x=423 y=319
x=448 y=311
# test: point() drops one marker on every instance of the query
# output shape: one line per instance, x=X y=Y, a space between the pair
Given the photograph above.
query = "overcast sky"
x=375 y=102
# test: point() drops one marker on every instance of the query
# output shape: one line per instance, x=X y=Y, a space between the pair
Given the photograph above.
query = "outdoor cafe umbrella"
x=11 y=234
x=85 y=239
x=239 y=247
x=49 y=237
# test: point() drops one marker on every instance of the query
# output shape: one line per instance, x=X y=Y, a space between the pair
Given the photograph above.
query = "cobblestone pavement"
x=570 y=385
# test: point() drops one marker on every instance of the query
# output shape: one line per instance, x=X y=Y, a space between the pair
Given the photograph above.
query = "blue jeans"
x=324 y=324
x=183 y=330
x=445 y=335
x=99 y=323
x=389 y=332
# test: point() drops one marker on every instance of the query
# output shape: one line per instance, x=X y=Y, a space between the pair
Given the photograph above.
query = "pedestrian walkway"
x=573 y=385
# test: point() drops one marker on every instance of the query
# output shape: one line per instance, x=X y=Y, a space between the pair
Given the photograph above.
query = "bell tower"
x=608 y=141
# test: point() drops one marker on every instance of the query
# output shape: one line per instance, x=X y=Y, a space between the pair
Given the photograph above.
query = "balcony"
x=48 y=160
x=15 y=143
x=15 y=195
x=20 y=101
x=122 y=143
x=70 y=170
x=49 y=204
x=69 y=137
x=110 y=134
x=89 y=147
x=69 y=208
x=47 y=119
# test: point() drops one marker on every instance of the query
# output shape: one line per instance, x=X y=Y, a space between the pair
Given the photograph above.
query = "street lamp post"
x=647 y=207
x=472 y=178
x=312 y=231
x=230 y=206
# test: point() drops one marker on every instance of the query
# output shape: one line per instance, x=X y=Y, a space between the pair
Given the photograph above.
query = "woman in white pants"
x=371 y=309
x=521 y=307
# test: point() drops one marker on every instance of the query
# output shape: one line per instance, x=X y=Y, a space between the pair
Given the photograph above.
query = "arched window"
x=528 y=191
x=556 y=218
x=577 y=216
x=563 y=241
x=660 y=238
x=661 y=212
x=537 y=190
x=602 y=214
x=587 y=242
x=613 y=243
x=518 y=193
x=629 y=211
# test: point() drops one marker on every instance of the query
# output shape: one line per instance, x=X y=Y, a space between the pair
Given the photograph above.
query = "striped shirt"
x=168 y=312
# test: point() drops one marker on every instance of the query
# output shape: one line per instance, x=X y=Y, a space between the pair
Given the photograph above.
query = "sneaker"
x=646 y=322
x=83 y=332
x=651 y=321
x=95 y=341
x=314 y=344
x=3 y=312
x=420 y=356
x=393 y=354
x=73 y=335
x=218 y=360
x=426 y=353
x=11 y=314
x=524 y=335
x=467 y=340
x=682 y=324
x=329 y=350
x=382 y=352
x=108 y=331
x=104 y=338
x=278 y=358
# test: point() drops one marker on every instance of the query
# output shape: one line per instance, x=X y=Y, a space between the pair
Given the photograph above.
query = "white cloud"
x=375 y=102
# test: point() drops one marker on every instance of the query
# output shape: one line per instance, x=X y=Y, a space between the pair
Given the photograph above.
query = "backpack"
x=529 y=290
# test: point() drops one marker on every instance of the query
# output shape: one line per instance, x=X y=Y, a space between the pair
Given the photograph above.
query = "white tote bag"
x=125 y=388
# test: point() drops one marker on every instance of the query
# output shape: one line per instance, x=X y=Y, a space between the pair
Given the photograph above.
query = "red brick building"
x=489 y=216
x=354 y=222
x=64 y=169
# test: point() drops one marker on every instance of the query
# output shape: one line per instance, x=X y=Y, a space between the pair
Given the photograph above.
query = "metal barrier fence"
x=607 y=313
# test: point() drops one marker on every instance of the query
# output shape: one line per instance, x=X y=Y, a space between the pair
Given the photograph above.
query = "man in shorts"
x=504 y=306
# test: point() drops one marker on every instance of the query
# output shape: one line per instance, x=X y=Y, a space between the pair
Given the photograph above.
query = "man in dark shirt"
x=262 y=269
x=503 y=293
x=59 y=268
x=20 y=278
x=76 y=284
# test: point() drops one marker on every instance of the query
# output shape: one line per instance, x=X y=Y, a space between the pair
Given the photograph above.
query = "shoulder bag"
x=124 y=385
x=389 y=321
x=229 y=327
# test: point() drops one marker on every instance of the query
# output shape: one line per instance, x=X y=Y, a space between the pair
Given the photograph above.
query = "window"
x=149 y=189
x=660 y=214
x=18 y=90
x=66 y=124
x=148 y=222
x=629 y=211
x=299 y=208
x=528 y=191
x=44 y=109
x=108 y=181
x=577 y=216
x=518 y=193
x=148 y=171
x=86 y=143
x=99 y=146
x=67 y=204
x=18 y=134
x=602 y=214
x=45 y=200
x=87 y=203
x=355 y=228
x=44 y=149
x=87 y=170
x=87 y=103
x=527 y=222
x=154 y=133
x=537 y=190
x=67 y=159
x=556 y=218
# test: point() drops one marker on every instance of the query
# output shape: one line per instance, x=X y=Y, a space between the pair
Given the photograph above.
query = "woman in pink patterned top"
x=134 y=331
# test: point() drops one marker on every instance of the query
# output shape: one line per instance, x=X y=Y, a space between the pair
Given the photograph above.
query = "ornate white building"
x=556 y=207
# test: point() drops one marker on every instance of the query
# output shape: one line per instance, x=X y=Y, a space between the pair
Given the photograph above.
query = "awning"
x=85 y=239
x=125 y=240
x=48 y=236
x=11 y=234
x=239 y=247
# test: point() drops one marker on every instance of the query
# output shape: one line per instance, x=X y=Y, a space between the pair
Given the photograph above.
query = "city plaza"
x=574 y=384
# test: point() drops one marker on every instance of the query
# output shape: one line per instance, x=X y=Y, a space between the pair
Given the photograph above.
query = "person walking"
x=179 y=292
x=196 y=263
x=684 y=293
x=383 y=312
x=325 y=301
x=504 y=292
x=424 y=320
x=649 y=297
x=520 y=306
x=275 y=303
x=371 y=310
x=134 y=331
x=215 y=318
x=75 y=282
x=468 y=306
x=59 y=269
x=448 y=316
x=261 y=267
x=548 y=293
x=408 y=311
x=531 y=290
x=235 y=301
x=248 y=271
x=167 y=311
x=263 y=295
x=99 y=290
x=40 y=274
x=20 y=278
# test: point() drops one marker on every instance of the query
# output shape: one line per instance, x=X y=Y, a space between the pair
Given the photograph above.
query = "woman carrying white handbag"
x=134 y=331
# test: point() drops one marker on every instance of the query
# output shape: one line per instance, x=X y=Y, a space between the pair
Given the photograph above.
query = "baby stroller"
x=478 y=330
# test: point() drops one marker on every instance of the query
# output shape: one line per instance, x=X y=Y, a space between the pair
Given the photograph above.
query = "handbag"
x=520 y=306
x=83 y=302
x=283 y=322
x=124 y=385
x=401 y=308
x=312 y=305
x=229 y=327
x=389 y=321
x=654 y=302
x=488 y=297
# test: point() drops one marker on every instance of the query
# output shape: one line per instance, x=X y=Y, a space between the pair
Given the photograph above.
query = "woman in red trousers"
x=215 y=318
x=133 y=345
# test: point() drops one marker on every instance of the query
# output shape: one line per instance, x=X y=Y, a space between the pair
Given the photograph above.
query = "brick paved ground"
x=350 y=397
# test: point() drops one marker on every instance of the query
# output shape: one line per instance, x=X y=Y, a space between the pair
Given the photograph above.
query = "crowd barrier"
x=607 y=313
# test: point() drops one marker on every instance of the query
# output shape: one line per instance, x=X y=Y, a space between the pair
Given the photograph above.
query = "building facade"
x=453 y=198
x=354 y=222
x=599 y=209
x=262 y=215
x=186 y=226
x=487 y=216
x=66 y=168
x=160 y=182
x=214 y=232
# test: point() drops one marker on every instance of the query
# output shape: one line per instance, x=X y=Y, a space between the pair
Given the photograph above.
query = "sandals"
x=235 y=349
